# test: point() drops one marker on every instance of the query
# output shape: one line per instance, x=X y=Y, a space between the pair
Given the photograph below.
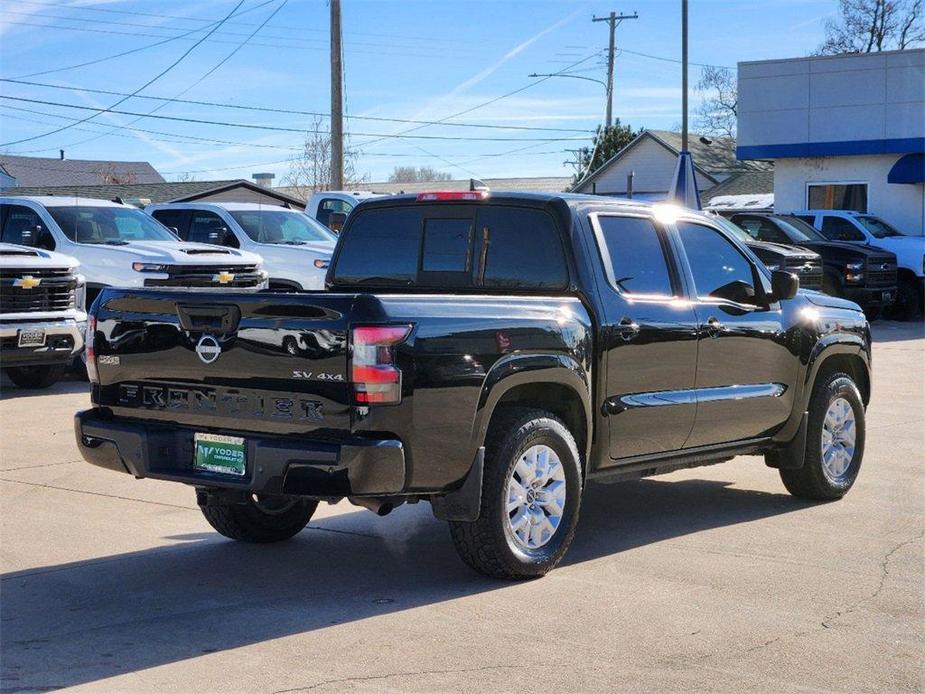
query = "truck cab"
x=332 y=207
x=864 y=229
x=42 y=314
x=120 y=246
x=295 y=248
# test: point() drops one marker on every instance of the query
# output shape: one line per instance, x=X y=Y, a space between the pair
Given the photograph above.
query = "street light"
x=574 y=77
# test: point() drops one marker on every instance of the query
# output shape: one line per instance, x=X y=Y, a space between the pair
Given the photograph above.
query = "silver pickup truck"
x=42 y=314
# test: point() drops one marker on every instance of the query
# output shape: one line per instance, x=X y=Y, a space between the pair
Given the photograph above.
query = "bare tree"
x=184 y=177
x=109 y=176
x=717 y=114
x=868 y=26
x=409 y=174
x=310 y=171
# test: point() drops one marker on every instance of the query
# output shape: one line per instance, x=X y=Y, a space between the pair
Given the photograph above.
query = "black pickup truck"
x=490 y=353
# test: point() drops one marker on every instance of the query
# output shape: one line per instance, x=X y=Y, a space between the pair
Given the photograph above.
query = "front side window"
x=206 y=227
x=840 y=229
x=837 y=196
x=20 y=225
x=174 y=219
x=108 y=225
x=720 y=271
x=877 y=227
x=328 y=206
x=637 y=256
x=277 y=226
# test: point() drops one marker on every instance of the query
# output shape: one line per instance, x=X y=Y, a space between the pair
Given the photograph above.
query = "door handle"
x=628 y=329
x=714 y=327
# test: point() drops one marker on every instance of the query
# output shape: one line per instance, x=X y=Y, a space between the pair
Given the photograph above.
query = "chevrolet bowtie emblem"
x=224 y=277
x=27 y=282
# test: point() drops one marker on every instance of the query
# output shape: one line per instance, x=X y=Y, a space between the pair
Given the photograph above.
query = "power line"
x=200 y=19
x=208 y=140
x=672 y=60
x=296 y=112
x=132 y=50
x=186 y=36
x=272 y=128
x=141 y=88
x=194 y=84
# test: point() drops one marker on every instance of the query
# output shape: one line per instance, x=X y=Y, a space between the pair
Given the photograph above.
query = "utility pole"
x=613 y=20
x=337 y=101
x=683 y=75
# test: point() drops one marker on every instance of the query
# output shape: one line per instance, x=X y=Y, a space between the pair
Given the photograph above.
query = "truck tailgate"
x=224 y=360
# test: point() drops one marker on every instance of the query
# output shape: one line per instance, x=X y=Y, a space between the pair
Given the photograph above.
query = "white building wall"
x=654 y=167
x=902 y=205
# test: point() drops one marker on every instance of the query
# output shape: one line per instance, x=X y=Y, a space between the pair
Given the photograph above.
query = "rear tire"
x=262 y=520
x=36 y=376
x=521 y=536
x=834 y=442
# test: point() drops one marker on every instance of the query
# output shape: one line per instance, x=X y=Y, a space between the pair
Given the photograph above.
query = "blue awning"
x=909 y=169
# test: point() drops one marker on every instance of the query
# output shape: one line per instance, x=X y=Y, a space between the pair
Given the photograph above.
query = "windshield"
x=733 y=229
x=108 y=225
x=798 y=230
x=877 y=227
x=279 y=226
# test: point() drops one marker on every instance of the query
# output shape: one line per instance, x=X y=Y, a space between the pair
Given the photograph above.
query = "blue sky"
x=409 y=59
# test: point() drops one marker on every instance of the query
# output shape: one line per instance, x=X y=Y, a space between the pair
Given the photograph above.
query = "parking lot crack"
x=84 y=491
x=828 y=621
x=390 y=675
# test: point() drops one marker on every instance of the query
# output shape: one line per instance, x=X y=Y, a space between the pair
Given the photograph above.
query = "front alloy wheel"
x=536 y=494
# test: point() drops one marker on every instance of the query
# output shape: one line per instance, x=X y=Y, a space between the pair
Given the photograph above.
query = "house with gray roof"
x=141 y=194
x=650 y=159
x=17 y=171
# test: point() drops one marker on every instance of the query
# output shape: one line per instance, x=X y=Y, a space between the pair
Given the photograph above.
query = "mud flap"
x=791 y=456
x=464 y=504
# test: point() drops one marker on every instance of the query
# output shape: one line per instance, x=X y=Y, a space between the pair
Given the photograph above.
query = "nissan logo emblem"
x=208 y=349
x=885 y=266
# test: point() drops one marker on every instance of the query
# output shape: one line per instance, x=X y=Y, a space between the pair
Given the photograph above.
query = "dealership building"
x=844 y=132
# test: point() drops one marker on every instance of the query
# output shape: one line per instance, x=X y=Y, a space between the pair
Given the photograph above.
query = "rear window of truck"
x=452 y=246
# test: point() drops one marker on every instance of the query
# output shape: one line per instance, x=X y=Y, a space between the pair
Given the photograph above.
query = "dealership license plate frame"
x=31 y=337
x=217 y=453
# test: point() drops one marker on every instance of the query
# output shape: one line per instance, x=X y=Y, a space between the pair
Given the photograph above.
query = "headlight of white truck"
x=80 y=293
x=149 y=267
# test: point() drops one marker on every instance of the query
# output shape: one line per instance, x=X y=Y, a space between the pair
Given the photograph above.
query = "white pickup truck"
x=42 y=314
x=331 y=207
x=120 y=246
x=295 y=248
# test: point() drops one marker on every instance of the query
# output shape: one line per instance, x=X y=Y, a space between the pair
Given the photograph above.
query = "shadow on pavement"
x=8 y=391
x=75 y=623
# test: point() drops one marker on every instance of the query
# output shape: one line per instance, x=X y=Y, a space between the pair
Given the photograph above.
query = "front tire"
x=531 y=493
x=834 y=442
x=36 y=376
x=908 y=304
x=260 y=519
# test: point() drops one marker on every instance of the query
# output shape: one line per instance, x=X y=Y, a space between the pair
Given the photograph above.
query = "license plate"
x=32 y=338
x=218 y=453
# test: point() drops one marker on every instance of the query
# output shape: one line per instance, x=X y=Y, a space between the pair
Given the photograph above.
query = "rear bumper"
x=866 y=296
x=274 y=465
x=63 y=339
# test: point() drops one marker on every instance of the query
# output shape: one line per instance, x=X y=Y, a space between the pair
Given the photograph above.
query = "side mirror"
x=336 y=221
x=41 y=238
x=225 y=237
x=784 y=285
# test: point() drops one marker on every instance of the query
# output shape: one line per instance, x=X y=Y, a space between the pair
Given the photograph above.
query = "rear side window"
x=174 y=219
x=19 y=225
x=455 y=247
x=637 y=256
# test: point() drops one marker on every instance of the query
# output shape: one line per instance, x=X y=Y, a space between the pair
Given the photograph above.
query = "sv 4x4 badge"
x=311 y=375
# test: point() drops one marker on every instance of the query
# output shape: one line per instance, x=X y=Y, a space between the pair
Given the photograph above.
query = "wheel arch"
x=555 y=383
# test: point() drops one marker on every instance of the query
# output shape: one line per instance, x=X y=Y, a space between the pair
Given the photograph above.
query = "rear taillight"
x=376 y=378
x=90 y=350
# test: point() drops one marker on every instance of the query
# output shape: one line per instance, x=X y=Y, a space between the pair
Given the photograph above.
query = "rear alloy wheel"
x=35 y=376
x=260 y=518
x=531 y=492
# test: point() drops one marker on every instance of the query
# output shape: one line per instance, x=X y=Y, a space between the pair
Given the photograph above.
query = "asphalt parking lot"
x=707 y=579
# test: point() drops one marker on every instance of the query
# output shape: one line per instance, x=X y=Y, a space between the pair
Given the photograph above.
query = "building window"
x=837 y=196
